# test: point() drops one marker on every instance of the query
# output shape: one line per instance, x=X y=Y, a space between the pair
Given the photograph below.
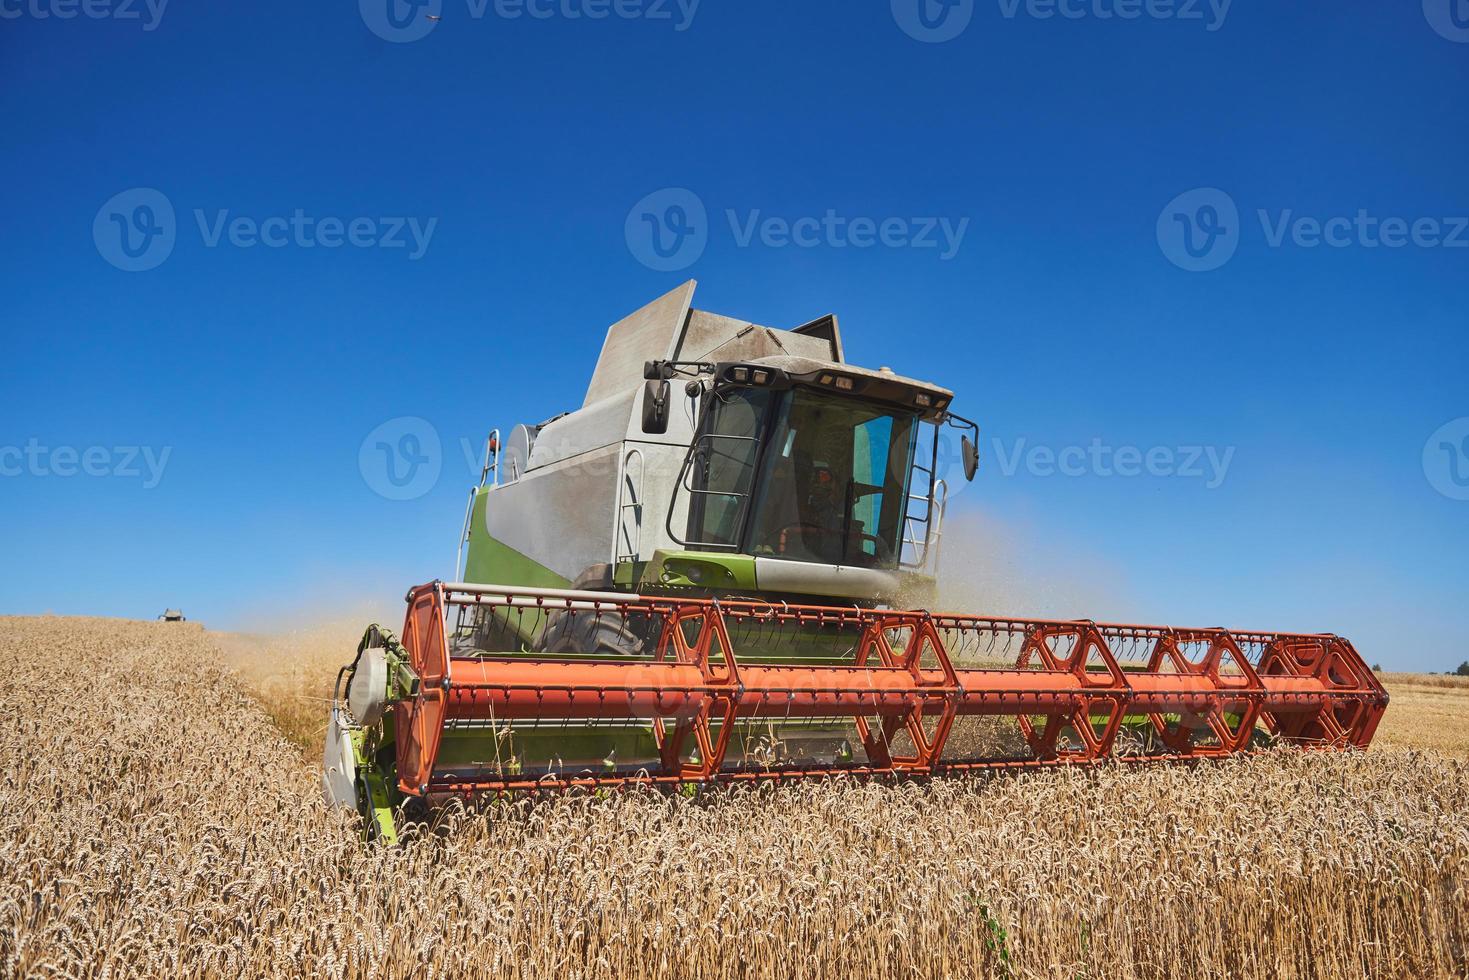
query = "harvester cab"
x=719 y=569
x=716 y=457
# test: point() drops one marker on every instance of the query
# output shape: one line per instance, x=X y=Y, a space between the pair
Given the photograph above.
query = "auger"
x=730 y=581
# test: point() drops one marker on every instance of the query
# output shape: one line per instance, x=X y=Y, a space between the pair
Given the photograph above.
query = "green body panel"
x=700 y=570
x=493 y=563
x=510 y=748
x=627 y=574
x=574 y=749
x=381 y=801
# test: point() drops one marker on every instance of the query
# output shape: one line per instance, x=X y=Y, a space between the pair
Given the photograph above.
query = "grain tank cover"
x=670 y=329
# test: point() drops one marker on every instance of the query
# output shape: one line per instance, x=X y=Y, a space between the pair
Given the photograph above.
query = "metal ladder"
x=923 y=551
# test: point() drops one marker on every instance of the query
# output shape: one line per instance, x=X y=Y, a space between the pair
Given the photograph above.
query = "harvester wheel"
x=490 y=632
x=600 y=633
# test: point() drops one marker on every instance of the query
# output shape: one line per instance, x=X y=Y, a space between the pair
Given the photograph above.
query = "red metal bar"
x=1308 y=689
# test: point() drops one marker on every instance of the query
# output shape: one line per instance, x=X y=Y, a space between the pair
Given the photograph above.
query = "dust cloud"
x=993 y=569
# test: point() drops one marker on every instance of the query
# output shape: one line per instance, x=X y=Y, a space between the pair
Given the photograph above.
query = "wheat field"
x=1428 y=711
x=160 y=818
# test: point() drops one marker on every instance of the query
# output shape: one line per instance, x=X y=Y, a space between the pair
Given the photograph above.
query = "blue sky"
x=1107 y=279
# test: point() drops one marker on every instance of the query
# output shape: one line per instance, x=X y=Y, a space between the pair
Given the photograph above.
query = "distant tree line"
x=1463 y=670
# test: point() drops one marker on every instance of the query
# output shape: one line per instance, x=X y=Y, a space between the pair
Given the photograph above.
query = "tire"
x=604 y=634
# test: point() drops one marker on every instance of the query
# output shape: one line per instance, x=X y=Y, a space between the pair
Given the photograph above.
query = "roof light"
x=826 y=379
x=740 y=374
x=761 y=377
x=844 y=384
x=924 y=399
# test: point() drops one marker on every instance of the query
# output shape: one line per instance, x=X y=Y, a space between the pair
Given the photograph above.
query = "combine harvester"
x=718 y=570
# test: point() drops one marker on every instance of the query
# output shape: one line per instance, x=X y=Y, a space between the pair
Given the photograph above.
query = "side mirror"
x=970 y=453
x=655 y=407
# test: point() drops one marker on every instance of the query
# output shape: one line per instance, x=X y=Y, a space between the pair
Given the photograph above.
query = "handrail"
x=636 y=505
x=685 y=473
x=464 y=534
x=936 y=531
x=492 y=458
x=491 y=465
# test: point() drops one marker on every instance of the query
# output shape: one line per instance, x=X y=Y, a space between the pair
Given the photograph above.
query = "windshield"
x=833 y=477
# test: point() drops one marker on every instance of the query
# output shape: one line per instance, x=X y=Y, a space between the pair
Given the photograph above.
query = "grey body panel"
x=651 y=333
x=669 y=328
x=810 y=578
x=710 y=337
x=592 y=488
x=560 y=516
x=593 y=427
x=797 y=364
